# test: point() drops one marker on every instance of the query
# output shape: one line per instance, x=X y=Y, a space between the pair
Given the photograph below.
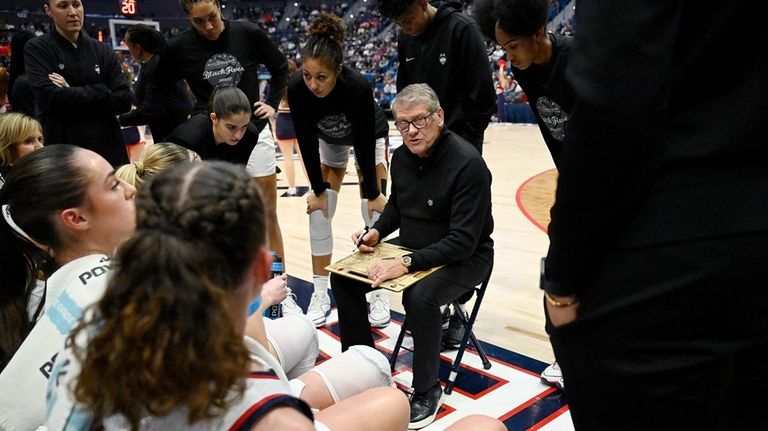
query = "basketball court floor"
x=511 y=320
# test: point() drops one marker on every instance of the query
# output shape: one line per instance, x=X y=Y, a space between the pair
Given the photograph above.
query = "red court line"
x=549 y=418
x=527 y=404
x=519 y=196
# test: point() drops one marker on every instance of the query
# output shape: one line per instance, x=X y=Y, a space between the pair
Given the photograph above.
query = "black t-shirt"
x=196 y=134
x=345 y=115
x=231 y=60
x=550 y=95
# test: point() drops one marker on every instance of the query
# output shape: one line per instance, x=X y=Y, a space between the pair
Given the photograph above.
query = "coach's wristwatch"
x=406 y=261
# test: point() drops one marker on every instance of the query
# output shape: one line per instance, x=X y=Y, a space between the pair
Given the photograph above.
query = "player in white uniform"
x=185 y=281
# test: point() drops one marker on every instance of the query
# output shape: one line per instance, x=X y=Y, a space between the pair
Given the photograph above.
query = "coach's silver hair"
x=416 y=93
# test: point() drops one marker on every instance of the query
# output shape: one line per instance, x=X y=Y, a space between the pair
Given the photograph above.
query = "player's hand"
x=262 y=110
x=58 y=80
x=315 y=202
x=370 y=239
x=274 y=291
x=385 y=269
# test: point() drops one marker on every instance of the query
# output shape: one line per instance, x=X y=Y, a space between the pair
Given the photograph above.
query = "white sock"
x=321 y=283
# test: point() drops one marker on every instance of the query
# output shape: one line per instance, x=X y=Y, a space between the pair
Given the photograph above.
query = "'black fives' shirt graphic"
x=335 y=129
x=223 y=70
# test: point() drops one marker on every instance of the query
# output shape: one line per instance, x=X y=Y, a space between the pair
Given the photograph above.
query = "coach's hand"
x=385 y=269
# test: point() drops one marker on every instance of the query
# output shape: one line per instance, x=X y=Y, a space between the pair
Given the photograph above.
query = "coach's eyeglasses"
x=418 y=123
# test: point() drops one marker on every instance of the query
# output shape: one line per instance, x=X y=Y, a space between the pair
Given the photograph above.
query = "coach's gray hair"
x=416 y=93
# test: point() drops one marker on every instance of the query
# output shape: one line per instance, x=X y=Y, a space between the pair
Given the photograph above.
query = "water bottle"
x=275 y=311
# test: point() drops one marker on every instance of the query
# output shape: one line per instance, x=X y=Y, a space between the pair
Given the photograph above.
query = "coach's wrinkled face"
x=419 y=127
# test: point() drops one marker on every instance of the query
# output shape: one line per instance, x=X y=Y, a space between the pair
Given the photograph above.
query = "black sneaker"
x=424 y=407
x=455 y=333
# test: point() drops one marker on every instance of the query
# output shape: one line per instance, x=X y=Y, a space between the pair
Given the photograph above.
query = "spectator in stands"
x=3 y=89
x=78 y=85
x=441 y=47
x=20 y=92
x=538 y=61
x=201 y=226
x=218 y=53
x=333 y=110
x=659 y=234
x=19 y=135
x=161 y=110
x=64 y=213
x=441 y=202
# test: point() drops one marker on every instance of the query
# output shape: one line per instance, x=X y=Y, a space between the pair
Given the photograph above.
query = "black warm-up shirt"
x=441 y=204
x=450 y=56
x=83 y=114
x=346 y=114
x=231 y=60
x=196 y=134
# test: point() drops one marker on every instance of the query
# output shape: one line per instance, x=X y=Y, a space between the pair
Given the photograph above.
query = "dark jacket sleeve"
x=471 y=198
x=480 y=102
x=168 y=72
x=120 y=96
x=362 y=116
x=306 y=134
x=40 y=62
x=150 y=105
x=620 y=75
x=389 y=220
x=276 y=63
x=402 y=71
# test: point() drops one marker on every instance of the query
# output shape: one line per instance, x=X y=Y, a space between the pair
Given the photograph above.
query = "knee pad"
x=320 y=232
x=364 y=211
x=294 y=338
x=358 y=369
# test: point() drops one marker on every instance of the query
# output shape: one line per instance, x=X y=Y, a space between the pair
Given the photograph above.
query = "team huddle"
x=138 y=291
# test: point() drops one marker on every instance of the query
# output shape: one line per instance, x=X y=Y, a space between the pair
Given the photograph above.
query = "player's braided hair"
x=166 y=314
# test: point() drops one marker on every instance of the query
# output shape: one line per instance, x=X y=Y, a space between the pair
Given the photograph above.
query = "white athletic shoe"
x=552 y=375
x=289 y=304
x=319 y=308
x=378 y=309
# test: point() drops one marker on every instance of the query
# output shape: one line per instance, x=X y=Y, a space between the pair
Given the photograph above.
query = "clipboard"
x=355 y=266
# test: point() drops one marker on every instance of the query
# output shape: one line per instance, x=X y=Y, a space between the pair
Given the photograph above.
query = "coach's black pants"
x=672 y=337
x=422 y=303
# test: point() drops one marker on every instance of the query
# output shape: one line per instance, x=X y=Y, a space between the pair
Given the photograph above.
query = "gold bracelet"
x=555 y=303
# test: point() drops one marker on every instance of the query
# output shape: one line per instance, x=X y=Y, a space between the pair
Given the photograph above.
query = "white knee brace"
x=295 y=341
x=320 y=232
x=358 y=369
x=364 y=211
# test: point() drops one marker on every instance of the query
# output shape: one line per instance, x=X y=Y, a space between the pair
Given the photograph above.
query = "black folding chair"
x=469 y=336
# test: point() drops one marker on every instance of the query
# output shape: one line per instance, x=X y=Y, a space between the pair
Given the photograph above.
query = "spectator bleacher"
x=371 y=46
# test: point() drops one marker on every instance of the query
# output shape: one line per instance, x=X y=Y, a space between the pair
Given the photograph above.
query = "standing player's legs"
x=286 y=148
x=333 y=162
x=379 y=307
x=261 y=166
